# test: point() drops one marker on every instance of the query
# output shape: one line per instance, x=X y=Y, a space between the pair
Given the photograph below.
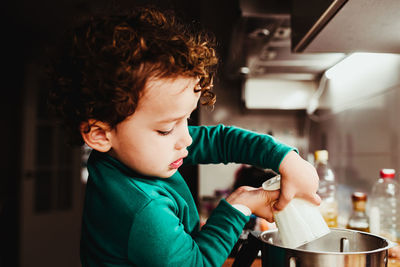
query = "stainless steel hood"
x=273 y=76
x=261 y=44
x=346 y=26
x=299 y=36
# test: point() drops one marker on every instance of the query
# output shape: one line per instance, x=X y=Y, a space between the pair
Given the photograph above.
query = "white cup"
x=299 y=222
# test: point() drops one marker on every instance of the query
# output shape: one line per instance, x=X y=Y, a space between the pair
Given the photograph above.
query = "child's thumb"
x=315 y=199
x=283 y=200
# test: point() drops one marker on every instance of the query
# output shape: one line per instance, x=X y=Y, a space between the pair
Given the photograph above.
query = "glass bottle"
x=327 y=188
x=358 y=219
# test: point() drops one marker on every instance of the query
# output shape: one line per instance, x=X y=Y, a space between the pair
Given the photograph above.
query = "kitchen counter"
x=257 y=263
x=393 y=263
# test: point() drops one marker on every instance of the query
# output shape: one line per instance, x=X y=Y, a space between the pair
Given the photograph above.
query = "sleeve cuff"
x=243 y=209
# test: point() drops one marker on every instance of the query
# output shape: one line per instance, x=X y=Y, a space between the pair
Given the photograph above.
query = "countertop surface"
x=257 y=263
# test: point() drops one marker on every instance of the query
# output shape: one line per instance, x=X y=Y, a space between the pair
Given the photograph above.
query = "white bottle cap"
x=272 y=184
x=321 y=155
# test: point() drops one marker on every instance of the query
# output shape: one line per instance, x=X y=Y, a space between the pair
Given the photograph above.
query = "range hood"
x=345 y=26
x=261 y=45
x=274 y=77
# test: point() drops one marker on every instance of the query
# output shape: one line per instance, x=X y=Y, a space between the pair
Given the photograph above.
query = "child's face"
x=154 y=139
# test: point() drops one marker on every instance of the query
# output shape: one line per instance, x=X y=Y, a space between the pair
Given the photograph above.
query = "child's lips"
x=176 y=164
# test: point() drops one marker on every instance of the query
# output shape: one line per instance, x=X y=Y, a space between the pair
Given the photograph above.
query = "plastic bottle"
x=327 y=188
x=299 y=222
x=384 y=208
x=359 y=219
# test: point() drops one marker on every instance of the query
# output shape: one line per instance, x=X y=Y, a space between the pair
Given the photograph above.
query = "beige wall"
x=361 y=130
x=284 y=125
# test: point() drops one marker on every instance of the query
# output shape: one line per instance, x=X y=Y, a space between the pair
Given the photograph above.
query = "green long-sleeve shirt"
x=133 y=220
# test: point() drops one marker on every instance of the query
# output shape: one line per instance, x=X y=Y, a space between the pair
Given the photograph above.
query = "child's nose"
x=185 y=139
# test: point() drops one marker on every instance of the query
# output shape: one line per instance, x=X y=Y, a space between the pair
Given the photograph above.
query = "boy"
x=127 y=90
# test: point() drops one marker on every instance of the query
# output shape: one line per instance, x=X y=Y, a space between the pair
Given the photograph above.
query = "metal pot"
x=339 y=248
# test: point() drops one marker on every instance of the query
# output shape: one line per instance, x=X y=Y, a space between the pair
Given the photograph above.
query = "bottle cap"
x=387 y=173
x=359 y=196
x=321 y=155
x=272 y=184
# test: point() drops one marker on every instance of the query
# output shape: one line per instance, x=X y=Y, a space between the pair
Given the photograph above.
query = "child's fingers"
x=268 y=214
x=284 y=198
x=272 y=196
x=265 y=210
x=271 y=208
x=315 y=199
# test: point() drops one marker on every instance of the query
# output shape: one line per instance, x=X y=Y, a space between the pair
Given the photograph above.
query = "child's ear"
x=96 y=135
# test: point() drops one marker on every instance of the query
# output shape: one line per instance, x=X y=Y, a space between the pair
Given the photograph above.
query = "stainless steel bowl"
x=341 y=247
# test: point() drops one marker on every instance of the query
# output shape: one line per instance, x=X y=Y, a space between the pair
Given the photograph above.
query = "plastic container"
x=299 y=222
x=327 y=188
x=384 y=208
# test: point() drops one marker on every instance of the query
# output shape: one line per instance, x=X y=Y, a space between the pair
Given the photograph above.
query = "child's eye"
x=164 y=132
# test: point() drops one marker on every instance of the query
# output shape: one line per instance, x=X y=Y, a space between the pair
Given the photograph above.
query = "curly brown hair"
x=108 y=60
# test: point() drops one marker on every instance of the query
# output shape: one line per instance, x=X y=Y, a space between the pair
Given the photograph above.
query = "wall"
x=33 y=27
x=357 y=122
x=360 y=127
x=285 y=125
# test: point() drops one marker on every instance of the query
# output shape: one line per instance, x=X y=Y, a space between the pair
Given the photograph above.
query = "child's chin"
x=168 y=174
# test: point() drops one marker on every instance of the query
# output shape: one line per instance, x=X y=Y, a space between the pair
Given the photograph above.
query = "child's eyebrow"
x=169 y=120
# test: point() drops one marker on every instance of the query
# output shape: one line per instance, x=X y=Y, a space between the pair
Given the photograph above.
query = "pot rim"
x=390 y=244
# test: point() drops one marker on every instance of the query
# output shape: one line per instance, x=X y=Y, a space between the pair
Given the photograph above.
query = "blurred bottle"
x=358 y=219
x=384 y=208
x=327 y=188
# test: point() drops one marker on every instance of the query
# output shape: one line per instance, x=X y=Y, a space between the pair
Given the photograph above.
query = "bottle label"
x=359 y=205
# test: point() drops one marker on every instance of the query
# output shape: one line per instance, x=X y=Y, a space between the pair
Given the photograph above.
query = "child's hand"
x=258 y=200
x=298 y=179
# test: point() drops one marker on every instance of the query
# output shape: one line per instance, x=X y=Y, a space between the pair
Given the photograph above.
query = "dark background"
x=30 y=29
